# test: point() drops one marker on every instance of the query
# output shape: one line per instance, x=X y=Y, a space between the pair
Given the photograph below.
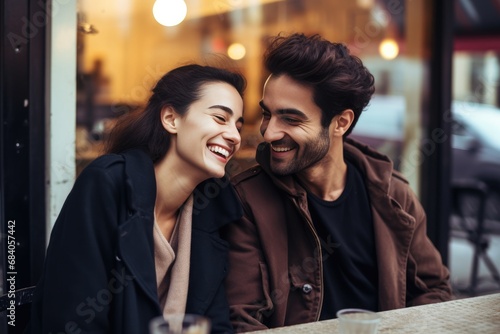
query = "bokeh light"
x=236 y=51
x=388 y=49
x=169 y=12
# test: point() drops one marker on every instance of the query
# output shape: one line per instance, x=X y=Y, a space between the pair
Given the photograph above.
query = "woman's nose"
x=233 y=135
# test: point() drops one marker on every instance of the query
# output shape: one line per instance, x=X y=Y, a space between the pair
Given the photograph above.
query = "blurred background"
x=71 y=67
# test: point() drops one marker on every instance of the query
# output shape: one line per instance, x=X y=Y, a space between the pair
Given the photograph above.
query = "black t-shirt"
x=345 y=228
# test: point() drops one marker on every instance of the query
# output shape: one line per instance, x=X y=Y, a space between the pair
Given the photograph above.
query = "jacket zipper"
x=318 y=244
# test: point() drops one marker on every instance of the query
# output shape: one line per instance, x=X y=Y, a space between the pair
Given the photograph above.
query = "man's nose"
x=271 y=131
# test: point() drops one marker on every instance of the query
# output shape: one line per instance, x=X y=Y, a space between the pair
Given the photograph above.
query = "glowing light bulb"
x=236 y=51
x=169 y=12
x=388 y=49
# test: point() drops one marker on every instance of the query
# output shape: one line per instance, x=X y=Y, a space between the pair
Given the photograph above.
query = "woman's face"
x=208 y=135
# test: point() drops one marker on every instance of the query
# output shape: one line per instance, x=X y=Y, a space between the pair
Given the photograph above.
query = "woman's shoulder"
x=106 y=161
x=133 y=160
x=108 y=164
x=104 y=174
x=131 y=172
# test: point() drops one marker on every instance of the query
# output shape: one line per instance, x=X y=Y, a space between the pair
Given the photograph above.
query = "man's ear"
x=169 y=119
x=342 y=122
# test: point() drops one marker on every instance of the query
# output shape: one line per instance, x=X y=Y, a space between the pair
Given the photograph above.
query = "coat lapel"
x=136 y=233
x=215 y=205
x=392 y=246
x=393 y=227
x=136 y=250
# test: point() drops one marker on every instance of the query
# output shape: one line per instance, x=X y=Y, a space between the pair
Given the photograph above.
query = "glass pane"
x=123 y=50
x=476 y=108
x=476 y=147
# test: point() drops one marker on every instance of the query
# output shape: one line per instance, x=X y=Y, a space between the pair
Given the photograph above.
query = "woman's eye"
x=220 y=118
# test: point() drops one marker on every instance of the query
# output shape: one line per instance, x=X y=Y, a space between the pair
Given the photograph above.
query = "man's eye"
x=291 y=120
x=266 y=114
x=239 y=126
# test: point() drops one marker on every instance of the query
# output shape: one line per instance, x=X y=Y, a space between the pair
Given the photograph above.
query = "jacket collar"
x=376 y=167
x=141 y=182
x=215 y=204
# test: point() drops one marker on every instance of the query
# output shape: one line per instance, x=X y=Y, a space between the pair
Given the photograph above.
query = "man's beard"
x=312 y=152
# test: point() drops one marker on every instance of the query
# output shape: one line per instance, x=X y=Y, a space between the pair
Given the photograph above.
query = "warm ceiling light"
x=365 y=4
x=169 y=12
x=236 y=51
x=388 y=49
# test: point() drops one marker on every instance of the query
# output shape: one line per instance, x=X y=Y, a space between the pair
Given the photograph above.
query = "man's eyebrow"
x=285 y=111
x=263 y=106
x=227 y=110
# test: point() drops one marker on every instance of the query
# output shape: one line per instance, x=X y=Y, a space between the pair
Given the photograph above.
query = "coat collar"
x=215 y=204
x=141 y=182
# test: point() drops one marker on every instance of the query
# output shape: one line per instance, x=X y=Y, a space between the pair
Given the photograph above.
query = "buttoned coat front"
x=99 y=275
x=276 y=255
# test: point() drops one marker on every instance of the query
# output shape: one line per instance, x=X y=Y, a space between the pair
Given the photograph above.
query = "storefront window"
x=123 y=50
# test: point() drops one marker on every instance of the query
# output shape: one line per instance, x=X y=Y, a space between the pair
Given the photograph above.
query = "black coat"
x=99 y=274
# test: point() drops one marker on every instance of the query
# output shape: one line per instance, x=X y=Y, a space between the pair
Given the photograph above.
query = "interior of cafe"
x=436 y=66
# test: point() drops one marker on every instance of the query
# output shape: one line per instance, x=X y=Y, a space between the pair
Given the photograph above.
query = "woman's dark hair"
x=338 y=79
x=178 y=89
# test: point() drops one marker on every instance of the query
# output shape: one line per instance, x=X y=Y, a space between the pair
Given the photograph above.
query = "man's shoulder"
x=251 y=174
x=380 y=164
x=399 y=187
x=397 y=176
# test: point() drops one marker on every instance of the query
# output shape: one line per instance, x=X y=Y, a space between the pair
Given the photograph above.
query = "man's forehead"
x=284 y=89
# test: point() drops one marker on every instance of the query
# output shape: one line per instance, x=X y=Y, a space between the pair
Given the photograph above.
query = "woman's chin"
x=218 y=174
x=215 y=172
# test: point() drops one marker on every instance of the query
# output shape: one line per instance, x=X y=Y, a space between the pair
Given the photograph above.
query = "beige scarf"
x=172 y=260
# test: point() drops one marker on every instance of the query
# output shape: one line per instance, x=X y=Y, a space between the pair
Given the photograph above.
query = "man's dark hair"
x=339 y=80
x=178 y=89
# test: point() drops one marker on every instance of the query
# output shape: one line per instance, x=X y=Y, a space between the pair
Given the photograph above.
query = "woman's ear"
x=342 y=122
x=169 y=119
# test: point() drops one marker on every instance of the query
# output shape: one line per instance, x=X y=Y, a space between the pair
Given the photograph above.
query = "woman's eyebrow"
x=228 y=110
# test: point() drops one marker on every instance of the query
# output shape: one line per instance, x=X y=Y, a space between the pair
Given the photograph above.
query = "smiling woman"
x=209 y=125
x=139 y=232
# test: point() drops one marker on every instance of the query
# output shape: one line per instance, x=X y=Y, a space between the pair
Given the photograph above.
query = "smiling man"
x=328 y=223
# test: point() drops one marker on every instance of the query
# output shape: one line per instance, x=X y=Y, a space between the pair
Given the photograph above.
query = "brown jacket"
x=276 y=259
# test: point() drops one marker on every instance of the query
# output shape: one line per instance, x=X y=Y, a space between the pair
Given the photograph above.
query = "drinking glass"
x=358 y=321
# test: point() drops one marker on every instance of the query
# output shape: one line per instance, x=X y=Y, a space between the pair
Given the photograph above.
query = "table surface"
x=468 y=315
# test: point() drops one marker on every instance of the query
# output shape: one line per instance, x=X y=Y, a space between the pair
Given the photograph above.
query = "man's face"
x=291 y=123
